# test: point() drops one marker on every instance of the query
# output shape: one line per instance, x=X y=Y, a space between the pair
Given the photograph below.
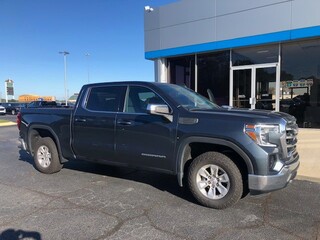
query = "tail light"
x=19 y=120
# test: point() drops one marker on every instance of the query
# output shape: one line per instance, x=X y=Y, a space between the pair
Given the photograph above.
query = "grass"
x=3 y=121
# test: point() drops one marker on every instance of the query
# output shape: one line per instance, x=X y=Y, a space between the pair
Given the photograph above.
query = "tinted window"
x=32 y=104
x=187 y=98
x=182 y=71
x=105 y=99
x=138 y=99
x=300 y=82
x=255 y=55
x=213 y=75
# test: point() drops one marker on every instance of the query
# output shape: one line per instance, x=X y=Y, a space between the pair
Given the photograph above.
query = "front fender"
x=183 y=154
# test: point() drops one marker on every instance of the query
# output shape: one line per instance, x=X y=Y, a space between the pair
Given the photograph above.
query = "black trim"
x=216 y=141
x=56 y=139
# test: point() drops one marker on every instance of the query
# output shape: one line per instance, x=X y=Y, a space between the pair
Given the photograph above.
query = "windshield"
x=186 y=98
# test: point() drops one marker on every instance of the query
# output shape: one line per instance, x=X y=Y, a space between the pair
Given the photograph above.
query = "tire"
x=215 y=181
x=46 y=157
x=13 y=112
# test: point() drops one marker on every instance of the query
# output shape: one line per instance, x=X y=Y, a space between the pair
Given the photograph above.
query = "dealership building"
x=249 y=54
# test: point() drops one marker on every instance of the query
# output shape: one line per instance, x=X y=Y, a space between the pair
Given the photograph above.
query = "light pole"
x=88 y=69
x=65 y=53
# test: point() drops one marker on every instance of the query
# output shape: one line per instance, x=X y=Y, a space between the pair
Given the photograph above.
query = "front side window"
x=104 y=99
x=138 y=99
x=188 y=99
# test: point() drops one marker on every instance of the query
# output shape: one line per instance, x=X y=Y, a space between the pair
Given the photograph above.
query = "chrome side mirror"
x=160 y=109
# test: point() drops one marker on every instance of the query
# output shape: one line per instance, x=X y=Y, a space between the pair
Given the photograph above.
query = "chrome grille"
x=291 y=141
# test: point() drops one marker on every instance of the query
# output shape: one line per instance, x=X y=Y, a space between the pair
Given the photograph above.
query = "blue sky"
x=32 y=32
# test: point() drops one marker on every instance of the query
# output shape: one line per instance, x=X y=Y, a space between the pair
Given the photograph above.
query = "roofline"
x=146 y=83
x=267 y=38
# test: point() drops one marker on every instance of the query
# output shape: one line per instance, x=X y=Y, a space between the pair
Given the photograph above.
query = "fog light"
x=278 y=166
x=274 y=163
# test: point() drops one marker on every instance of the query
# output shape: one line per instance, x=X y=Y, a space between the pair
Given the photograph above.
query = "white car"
x=2 y=110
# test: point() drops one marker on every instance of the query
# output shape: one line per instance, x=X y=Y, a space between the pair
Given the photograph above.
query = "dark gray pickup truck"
x=222 y=154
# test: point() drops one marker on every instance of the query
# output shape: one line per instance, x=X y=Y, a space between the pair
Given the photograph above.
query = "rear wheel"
x=46 y=156
x=215 y=181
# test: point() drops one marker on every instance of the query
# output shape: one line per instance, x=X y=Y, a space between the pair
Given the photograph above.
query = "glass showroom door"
x=255 y=86
x=265 y=90
x=242 y=88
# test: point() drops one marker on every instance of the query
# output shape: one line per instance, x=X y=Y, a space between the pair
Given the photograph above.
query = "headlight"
x=260 y=133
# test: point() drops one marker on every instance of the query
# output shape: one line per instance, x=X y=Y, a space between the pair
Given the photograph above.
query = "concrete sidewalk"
x=309 y=151
x=7 y=123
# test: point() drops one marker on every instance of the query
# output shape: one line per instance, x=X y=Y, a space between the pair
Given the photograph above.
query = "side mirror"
x=160 y=109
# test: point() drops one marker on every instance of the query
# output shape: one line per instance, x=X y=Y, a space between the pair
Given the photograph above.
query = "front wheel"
x=46 y=156
x=215 y=181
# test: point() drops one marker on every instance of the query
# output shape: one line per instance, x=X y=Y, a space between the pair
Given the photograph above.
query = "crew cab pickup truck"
x=221 y=154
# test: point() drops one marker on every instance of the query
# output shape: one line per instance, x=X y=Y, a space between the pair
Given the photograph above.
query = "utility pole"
x=88 y=66
x=65 y=53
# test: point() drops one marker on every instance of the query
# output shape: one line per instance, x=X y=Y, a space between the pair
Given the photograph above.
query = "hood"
x=254 y=114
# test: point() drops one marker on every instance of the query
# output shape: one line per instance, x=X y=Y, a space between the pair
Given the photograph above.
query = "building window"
x=255 y=55
x=182 y=71
x=300 y=82
x=213 y=76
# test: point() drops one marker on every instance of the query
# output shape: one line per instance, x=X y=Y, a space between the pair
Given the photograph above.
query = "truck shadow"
x=12 y=234
x=25 y=157
x=161 y=181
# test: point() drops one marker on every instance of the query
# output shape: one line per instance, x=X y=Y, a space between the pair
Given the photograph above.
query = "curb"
x=5 y=124
x=306 y=178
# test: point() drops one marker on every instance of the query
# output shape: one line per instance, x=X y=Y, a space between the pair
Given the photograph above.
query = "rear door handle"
x=80 y=120
x=124 y=122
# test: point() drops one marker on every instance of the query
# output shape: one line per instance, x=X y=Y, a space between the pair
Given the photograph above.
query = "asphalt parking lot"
x=8 y=117
x=91 y=201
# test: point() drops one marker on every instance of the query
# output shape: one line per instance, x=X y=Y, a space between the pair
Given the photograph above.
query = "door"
x=255 y=86
x=265 y=90
x=94 y=124
x=242 y=82
x=141 y=138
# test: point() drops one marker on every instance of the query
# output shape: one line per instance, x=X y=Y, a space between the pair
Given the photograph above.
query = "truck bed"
x=57 y=119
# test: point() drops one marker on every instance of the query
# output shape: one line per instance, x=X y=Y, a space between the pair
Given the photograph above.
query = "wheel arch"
x=35 y=131
x=188 y=150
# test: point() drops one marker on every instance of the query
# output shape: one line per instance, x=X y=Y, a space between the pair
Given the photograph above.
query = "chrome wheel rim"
x=44 y=156
x=213 y=181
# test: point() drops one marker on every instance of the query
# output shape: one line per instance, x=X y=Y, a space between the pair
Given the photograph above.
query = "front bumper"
x=264 y=184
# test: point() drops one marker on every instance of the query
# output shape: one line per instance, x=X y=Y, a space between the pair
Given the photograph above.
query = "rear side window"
x=105 y=99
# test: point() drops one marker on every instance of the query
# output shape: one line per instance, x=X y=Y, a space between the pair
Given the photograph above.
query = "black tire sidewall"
x=235 y=178
x=55 y=164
